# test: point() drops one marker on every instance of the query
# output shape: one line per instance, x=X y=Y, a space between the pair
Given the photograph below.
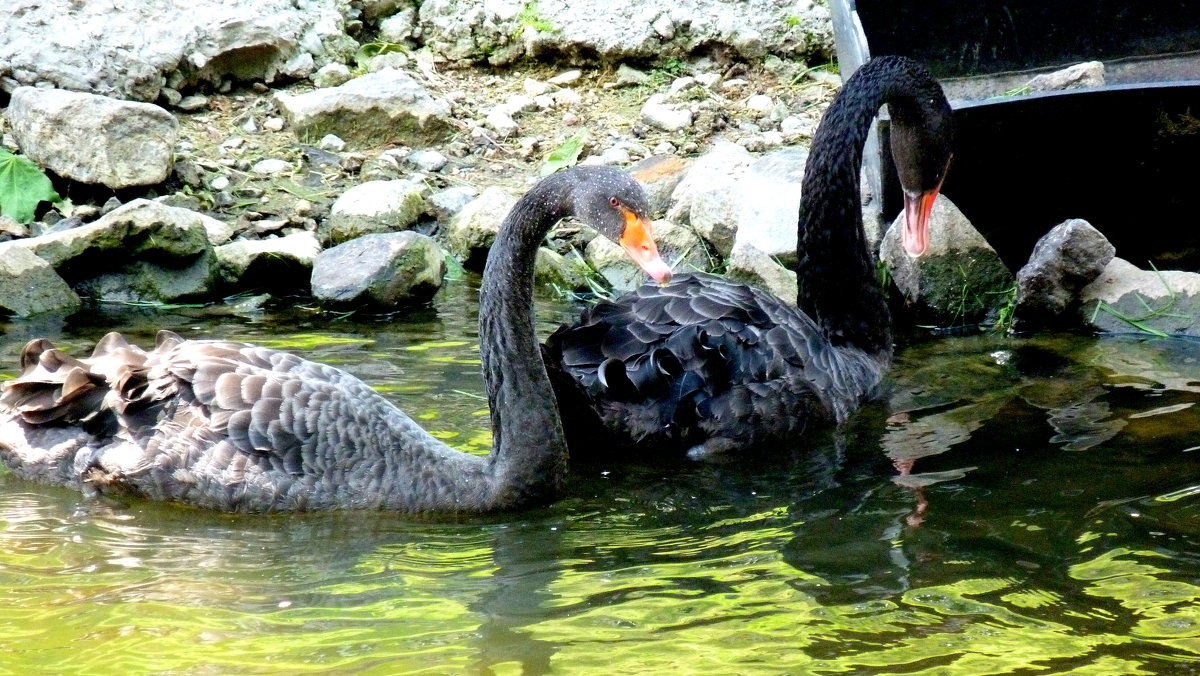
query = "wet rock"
x=1064 y=260
x=756 y=268
x=558 y=271
x=474 y=228
x=30 y=286
x=94 y=139
x=960 y=280
x=678 y=246
x=384 y=107
x=1078 y=76
x=372 y=207
x=380 y=271
x=153 y=281
x=1124 y=298
x=280 y=265
x=179 y=42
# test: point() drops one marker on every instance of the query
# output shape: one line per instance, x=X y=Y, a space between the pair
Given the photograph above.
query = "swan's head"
x=612 y=203
x=922 y=134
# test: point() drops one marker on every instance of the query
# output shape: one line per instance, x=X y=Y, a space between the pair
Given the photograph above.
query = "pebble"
x=428 y=160
x=668 y=118
x=566 y=77
x=273 y=124
x=331 y=75
x=271 y=166
x=537 y=88
x=760 y=103
x=500 y=121
x=331 y=143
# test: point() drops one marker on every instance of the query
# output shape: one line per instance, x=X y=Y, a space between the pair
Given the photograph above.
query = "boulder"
x=558 y=271
x=147 y=282
x=473 y=229
x=377 y=108
x=709 y=197
x=659 y=176
x=960 y=280
x=1124 y=298
x=769 y=203
x=29 y=286
x=281 y=265
x=372 y=207
x=379 y=272
x=756 y=268
x=94 y=139
x=1063 y=261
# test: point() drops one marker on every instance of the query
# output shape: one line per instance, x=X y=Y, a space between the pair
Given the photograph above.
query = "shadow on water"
x=1010 y=506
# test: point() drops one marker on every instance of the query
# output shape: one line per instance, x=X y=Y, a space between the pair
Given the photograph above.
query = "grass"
x=1139 y=322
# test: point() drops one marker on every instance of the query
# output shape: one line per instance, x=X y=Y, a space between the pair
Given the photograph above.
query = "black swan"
x=235 y=427
x=708 y=365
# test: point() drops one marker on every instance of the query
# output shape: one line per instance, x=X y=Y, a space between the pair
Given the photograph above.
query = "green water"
x=1048 y=525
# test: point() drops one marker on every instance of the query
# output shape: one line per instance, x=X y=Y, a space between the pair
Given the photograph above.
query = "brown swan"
x=707 y=365
x=232 y=426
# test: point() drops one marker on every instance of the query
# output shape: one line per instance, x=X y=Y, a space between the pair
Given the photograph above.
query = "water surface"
x=1012 y=506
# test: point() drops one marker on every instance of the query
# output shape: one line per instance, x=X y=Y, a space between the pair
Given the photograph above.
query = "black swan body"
x=235 y=427
x=708 y=365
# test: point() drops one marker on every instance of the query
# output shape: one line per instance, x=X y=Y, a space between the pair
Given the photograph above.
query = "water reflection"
x=1012 y=505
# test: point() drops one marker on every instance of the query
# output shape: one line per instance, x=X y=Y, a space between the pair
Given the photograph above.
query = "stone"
x=30 y=286
x=960 y=280
x=555 y=270
x=443 y=205
x=566 y=77
x=709 y=196
x=331 y=75
x=270 y=167
x=372 y=207
x=154 y=281
x=1063 y=261
x=666 y=117
x=94 y=139
x=677 y=245
x=659 y=176
x=380 y=271
x=628 y=75
x=1125 y=299
x=384 y=107
x=769 y=203
x=756 y=268
x=473 y=229
x=500 y=121
x=1078 y=76
x=281 y=265
x=428 y=160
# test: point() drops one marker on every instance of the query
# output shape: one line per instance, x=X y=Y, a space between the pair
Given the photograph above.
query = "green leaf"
x=563 y=156
x=22 y=187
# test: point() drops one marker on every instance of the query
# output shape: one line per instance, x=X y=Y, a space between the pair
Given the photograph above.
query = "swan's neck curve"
x=838 y=283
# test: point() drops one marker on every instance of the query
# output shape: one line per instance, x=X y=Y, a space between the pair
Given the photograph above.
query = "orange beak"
x=915 y=233
x=638 y=242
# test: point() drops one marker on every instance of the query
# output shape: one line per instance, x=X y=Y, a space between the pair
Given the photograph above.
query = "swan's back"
x=703 y=363
x=215 y=424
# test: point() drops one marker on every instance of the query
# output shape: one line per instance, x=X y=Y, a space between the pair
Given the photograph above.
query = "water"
x=1013 y=506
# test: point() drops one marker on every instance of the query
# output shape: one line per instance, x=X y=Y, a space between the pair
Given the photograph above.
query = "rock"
x=760 y=104
x=273 y=124
x=29 y=286
x=399 y=26
x=176 y=42
x=659 y=176
x=473 y=229
x=536 y=88
x=372 y=207
x=445 y=204
x=384 y=107
x=380 y=271
x=709 y=196
x=628 y=75
x=960 y=280
x=1064 y=260
x=500 y=121
x=280 y=265
x=556 y=270
x=1126 y=299
x=678 y=245
x=1080 y=75
x=331 y=143
x=665 y=116
x=503 y=32
x=270 y=167
x=193 y=103
x=749 y=265
x=140 y=228
x=146 y=281
x=94 y=139
x=566 y=77
x=331 y=75
x=769 y=203
x=428 y=160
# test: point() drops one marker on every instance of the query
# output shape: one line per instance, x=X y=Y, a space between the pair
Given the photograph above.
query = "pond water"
x=1012 y=506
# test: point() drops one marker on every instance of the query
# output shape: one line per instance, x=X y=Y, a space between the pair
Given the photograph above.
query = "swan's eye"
x=613 y=201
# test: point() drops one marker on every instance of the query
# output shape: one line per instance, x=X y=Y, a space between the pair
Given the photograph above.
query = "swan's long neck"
x=529 y=450
x=839 y=287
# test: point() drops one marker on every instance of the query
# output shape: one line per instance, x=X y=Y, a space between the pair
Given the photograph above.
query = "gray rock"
x=380 y=271
x=1126 y=299
x=193 y=103
x=749 y=265
x=384 y=107
x=769 y=203
x=331 y=75
x=678 y=246
x=152 y=281
x=428 y=160
x=282 y=264
x=473 y=229
x=657 y=112
x=1063 y=261
x=188 y=40
x=94 y=139
x=332 y=143
x=1080 y=75
x=628 y=75
x=271 y=166
x=659 y=176
x=709 y=196
x=445 y=204
x=372 y=207
x=29 y=286
x=501 y=121
x=502 y=32
x=556 y=270
x=399 y=26
x=960 y=280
